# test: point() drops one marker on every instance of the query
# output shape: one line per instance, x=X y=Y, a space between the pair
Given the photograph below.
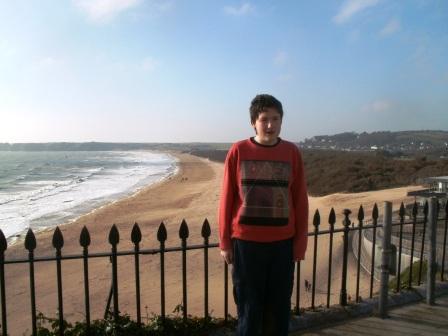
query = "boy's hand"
x=227 y=255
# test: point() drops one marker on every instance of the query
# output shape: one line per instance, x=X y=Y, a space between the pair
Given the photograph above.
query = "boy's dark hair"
x=262 y=102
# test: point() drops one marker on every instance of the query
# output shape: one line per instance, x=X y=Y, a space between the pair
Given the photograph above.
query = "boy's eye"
x=265 y=120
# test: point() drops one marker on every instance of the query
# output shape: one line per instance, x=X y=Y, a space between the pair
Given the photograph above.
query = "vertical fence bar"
x=84 y=241
x=161 y=237
x=114 y=238
x=297 y=309
x=30 y=246
x=58 y=243
x=372 y=265
x=425 y=221
x=226 y=292
x=358 y=269
x=432 y=242
x=331 y=221
x=316 y=222
x=109 y=298
x=3 y=247
x=444 y=243
x=183 y=235
x=205 y=233
x=385 y=257
x=400 y=246
x=414 y=224
x=346 y=223
x=136 y=238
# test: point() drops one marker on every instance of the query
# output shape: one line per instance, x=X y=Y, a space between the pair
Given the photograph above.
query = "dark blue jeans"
x=263 y=276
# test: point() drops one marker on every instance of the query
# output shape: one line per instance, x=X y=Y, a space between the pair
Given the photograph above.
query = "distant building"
x=437 y=187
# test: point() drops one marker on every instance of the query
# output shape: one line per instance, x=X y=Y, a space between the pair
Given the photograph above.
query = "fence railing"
x=418 y=222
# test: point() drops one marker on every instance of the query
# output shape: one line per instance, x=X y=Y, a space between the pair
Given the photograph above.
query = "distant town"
x=406 y=143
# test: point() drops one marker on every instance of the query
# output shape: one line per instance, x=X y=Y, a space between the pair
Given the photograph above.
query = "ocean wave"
x=35 y=201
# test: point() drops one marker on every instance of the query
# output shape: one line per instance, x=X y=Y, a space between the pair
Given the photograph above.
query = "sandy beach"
x=193 y=195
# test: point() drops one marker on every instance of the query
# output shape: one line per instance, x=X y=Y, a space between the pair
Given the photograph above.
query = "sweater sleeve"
x=300 y=199
x=227 y=200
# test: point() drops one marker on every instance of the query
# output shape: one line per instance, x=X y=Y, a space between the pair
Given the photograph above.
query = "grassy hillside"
x=329 y=172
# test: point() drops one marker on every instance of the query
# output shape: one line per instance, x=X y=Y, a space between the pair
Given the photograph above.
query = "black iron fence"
x=355 y=243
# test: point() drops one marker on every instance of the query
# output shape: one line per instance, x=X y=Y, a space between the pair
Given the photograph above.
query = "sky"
x=186 y=70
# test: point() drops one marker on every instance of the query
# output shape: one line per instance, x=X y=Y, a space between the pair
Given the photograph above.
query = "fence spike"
x=183 y=231
x=316 y=218
x=347 y=213
x=136 y=234
x=415 y=209
x=402 y=212
x=84 y=238
x=426 y=209
x=375 y=212
x=161 y=233
x=114 y=235
x=58 y=239
x=30 y=240
x=3 y=242
x=332 y=217
x=205 y=232
x=361 y=213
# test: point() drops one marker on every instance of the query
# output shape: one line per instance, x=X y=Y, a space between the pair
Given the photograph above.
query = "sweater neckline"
x=252 y=139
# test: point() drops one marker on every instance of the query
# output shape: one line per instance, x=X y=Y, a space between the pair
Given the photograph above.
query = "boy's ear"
x=253 y=126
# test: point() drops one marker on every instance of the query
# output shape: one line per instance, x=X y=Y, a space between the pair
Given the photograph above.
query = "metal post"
x=432 y=241
x=385 y=259
x=316 y=222
x=343 y=294
x=3 y=247
x=331 y=221
x=30 y=245
x=162 y=236
x=372 y=265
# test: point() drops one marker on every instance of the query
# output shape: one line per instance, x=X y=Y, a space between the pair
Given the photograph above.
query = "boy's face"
x=268 y=126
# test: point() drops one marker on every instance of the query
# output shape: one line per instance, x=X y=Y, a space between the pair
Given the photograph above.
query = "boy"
x=263 y=221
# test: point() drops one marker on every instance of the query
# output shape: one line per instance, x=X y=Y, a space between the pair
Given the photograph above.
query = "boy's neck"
x=271 y=143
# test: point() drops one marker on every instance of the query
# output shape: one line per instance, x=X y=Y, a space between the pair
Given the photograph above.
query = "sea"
x=40 y=190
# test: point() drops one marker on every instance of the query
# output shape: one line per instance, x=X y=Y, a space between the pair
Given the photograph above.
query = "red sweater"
x=264 y=196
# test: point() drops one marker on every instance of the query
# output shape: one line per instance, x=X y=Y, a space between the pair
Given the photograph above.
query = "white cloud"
x=149 y=64
x=244 y=9
x=104 y=10
x=378 y=106
x=391 y=27
x=280 y=58
x=351 y=7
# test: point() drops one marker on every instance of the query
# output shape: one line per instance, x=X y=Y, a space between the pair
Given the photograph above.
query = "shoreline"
x=127 y=194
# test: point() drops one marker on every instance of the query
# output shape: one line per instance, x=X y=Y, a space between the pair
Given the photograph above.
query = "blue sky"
x=186 y=70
